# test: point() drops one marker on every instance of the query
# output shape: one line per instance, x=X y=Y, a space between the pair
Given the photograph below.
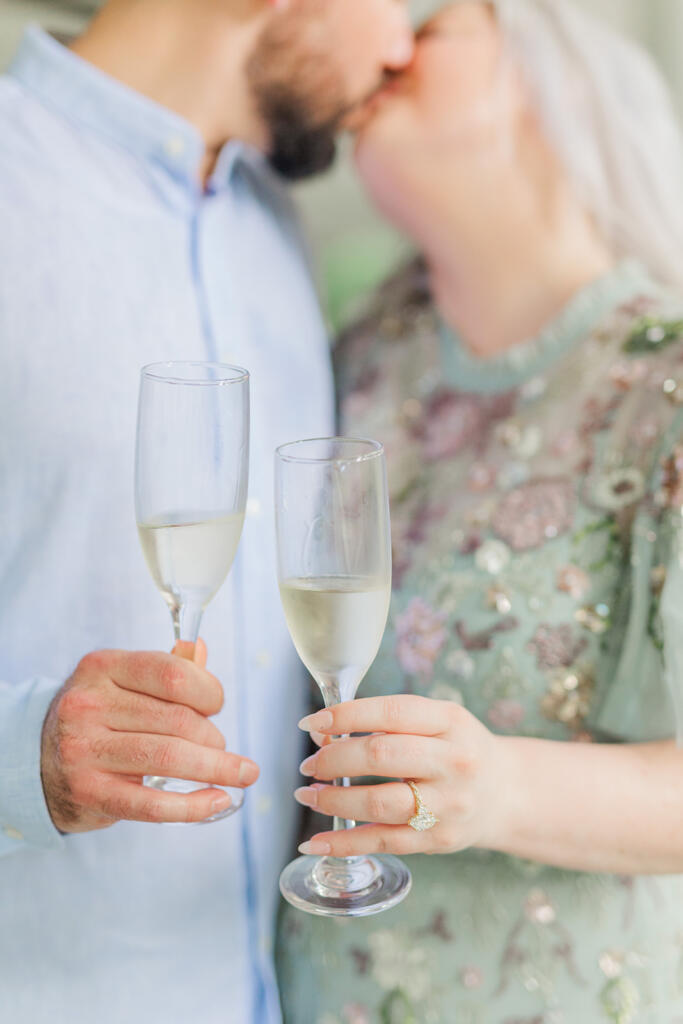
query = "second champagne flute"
x=334 y=567
x=191 y=480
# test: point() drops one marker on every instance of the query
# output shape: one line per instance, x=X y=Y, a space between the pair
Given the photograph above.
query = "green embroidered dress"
x=536 y=506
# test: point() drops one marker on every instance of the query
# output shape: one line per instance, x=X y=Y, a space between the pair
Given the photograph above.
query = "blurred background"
x=353 y=248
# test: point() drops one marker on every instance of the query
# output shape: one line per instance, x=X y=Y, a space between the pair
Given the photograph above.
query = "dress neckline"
x=573 y=323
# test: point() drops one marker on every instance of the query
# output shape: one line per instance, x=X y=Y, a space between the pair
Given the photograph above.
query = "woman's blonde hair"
x=609 y=115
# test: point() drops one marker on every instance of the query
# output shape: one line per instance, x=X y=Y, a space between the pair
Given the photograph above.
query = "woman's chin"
x=382 y=132
x=380 y=175
x=362 y=118
x=369 y=153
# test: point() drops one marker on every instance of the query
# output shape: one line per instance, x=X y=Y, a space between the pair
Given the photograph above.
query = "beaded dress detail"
x=538 y=580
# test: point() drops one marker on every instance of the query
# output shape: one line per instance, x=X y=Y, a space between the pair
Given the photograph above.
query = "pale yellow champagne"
x=189 y=554
x=337 y=624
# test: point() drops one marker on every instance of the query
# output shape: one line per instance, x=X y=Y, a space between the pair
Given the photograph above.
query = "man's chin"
x=312 y=157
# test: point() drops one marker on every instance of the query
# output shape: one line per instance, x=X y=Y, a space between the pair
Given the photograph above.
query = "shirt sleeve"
x=25 y=821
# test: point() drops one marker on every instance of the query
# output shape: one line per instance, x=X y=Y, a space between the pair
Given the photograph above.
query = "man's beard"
x=300 y=147
x=299 y=95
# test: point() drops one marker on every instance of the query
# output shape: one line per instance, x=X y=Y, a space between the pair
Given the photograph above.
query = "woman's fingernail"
x=307 y=767
x=317 y=847
x=307 y=795
x=221 y=803
x=320 y=721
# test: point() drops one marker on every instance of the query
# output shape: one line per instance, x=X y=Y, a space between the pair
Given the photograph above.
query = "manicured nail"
x=248 y=773
x=320 y=721
x=317 y=847
x=307 y=767
x=221 y=803
x=307 y=795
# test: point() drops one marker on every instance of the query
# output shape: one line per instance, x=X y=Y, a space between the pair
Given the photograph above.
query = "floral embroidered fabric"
x=536 y=514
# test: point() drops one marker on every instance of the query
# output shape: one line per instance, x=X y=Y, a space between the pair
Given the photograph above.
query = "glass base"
x=184 y=786
x=348 y=887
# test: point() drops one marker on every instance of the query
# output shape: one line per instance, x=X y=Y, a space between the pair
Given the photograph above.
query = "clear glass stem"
x=342 y=823
x=187 y=619
x=335 y=691
x=342 y=874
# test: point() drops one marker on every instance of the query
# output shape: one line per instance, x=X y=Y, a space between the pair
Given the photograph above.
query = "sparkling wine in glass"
x=334 y=570
x=191 y=478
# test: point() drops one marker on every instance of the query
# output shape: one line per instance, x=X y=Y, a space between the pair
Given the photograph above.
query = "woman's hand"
x=456 y=762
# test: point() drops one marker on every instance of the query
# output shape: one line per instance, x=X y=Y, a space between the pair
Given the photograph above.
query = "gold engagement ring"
x=423 y=819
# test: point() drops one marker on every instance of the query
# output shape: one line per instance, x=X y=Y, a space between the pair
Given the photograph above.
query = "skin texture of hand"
x=599 y=807
x=124 y=715
x=455 y=761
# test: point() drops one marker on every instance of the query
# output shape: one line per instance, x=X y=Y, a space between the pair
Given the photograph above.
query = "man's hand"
x=122 y=716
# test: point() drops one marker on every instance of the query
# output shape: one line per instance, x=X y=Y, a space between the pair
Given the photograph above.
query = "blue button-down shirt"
x=112 y=256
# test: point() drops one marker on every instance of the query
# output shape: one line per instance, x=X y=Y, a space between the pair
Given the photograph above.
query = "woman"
x=535 y=642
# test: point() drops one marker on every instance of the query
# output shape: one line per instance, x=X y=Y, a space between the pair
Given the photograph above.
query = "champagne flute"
x=191 y=478
x=334 y=570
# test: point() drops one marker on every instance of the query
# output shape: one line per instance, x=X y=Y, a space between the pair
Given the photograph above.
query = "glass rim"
x=163 y=373
x=377 y=450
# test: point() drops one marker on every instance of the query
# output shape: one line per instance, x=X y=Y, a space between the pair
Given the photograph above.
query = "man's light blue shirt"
x=112 y=257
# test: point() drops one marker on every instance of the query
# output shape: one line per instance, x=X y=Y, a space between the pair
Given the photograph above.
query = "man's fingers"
x=169 y=678
x=125 y=801
x=200 y=653
x=191 y=652
x=184 y=649
x=146 y=754
x=402 y=713
x=136 y=712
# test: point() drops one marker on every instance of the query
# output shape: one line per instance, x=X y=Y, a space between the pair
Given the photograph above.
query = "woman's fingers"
x=402 y=713
x=389 y=804
x=381 y=755
x=320 y=739
x=399 y=839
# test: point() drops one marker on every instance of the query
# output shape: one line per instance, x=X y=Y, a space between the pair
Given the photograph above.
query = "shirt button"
x=175 y=146
x=13 y=833
x=263 y=659
x=254 y=508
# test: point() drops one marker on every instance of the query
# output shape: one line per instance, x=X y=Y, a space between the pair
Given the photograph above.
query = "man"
x=140 y=221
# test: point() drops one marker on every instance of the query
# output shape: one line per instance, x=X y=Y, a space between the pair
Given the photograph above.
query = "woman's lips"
x=388 y=91
x=361 y=115
x=393 y=85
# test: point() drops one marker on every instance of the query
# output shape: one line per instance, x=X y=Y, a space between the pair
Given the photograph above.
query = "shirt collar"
x=82 y=93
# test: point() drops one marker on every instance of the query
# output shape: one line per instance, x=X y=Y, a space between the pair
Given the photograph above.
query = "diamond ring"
x=423 y=819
